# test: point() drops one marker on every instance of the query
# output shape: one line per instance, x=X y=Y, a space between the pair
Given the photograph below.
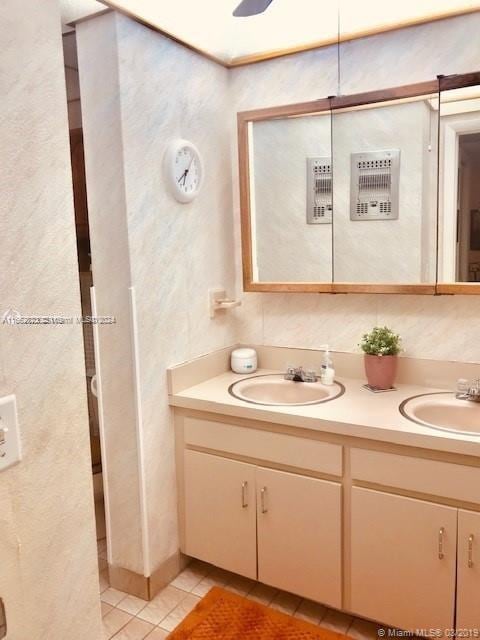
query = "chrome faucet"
x=468 y=391
x=298 y=374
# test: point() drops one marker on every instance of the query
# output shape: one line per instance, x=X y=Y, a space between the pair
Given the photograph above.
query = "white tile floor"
x=126 y=617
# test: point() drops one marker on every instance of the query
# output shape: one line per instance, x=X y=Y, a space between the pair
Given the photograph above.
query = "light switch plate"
x=10 y=449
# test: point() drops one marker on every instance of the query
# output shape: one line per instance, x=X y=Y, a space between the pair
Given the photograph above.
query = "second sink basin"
x=272 y=389
x=443 y=411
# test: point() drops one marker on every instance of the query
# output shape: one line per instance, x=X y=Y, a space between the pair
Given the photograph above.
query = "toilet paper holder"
x=217 y=300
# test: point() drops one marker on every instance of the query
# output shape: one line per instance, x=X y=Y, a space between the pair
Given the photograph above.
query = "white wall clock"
x=183 y=170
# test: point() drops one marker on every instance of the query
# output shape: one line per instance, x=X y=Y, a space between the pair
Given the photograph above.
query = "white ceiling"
x=208 y=25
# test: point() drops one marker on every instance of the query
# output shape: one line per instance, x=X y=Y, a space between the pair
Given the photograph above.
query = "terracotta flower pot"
x=381 y=370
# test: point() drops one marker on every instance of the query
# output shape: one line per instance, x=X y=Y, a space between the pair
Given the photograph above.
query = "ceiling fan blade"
x=248 y=8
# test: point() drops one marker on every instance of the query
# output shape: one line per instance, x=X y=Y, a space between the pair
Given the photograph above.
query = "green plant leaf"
x=381 y=341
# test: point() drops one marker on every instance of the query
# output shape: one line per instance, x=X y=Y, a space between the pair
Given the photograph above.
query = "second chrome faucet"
x=299 y=374
x=468 y=391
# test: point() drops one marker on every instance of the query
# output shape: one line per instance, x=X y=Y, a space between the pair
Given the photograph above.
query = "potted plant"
x=381 y=347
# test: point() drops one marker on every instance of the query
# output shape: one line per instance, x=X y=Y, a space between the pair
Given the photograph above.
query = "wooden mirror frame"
x=330 y=104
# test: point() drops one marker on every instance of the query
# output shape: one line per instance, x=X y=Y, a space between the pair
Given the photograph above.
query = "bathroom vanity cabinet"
x=380 y=530
x=403 y=557
x=468 y=570
x=413 y=583
x=288 y=511
x=262 y=513
x=220 y=524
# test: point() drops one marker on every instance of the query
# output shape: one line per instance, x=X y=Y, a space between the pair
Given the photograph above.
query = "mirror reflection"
x=291 y=199
x=459 y=212
x=348 y=196
x=385 y=177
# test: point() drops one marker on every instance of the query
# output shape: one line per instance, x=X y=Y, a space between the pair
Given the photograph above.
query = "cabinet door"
x=403 y=559
x=299 y=535
x=220 y=514
x=468 y=571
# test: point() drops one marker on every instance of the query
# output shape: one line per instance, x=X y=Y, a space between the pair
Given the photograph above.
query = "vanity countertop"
x=357 y=413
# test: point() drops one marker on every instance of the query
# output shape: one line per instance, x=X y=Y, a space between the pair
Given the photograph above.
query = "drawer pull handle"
x=245 y=495
x=441 y=533
x=263 y=493
x=470 y=550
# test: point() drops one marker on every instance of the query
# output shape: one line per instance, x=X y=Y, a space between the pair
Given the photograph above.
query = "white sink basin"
x=272 y=389
x=443 y=411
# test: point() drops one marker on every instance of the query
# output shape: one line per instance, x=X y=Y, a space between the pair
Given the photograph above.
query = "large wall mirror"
x=366 y=193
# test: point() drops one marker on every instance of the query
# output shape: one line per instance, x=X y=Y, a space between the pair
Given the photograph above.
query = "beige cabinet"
x=220 y=512
x=237 y=515
x=410 y=563
x=468 y=571
x=300 y=535
x=403 y=560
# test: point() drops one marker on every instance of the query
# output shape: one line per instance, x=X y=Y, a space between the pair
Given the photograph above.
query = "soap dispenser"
x=327 y=375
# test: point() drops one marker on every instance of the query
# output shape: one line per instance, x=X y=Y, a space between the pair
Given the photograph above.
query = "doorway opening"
x=468 y=208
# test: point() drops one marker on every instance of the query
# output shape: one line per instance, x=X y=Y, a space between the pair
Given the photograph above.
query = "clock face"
x=187 y=170
x=184 y=170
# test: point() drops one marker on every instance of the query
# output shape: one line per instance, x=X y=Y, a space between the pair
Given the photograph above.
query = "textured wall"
x=176 y=251
x=48 y=575
x=140 y=90
x=433 y=327
x=104 y=164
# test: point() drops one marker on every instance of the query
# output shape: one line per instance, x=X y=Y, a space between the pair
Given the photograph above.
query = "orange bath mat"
x=222 y=615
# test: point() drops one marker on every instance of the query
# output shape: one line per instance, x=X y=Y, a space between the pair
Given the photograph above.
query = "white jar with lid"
x=244 y=360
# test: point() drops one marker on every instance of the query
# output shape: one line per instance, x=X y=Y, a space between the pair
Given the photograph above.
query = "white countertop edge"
x=212 y=396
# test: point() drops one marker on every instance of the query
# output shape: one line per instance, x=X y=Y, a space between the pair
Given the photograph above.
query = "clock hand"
x=186 y=172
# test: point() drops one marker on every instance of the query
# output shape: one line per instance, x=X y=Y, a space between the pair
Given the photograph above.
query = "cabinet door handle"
x=245 y=495
x=263 y=501
x=441 y=533
x=470 y=550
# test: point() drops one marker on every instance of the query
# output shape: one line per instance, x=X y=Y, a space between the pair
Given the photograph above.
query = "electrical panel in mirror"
x=357 y=193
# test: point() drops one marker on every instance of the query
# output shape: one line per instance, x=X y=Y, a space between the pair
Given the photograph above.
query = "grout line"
x=233 y=577
x=297 y=607
x=121 y=628
x=324 y=614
